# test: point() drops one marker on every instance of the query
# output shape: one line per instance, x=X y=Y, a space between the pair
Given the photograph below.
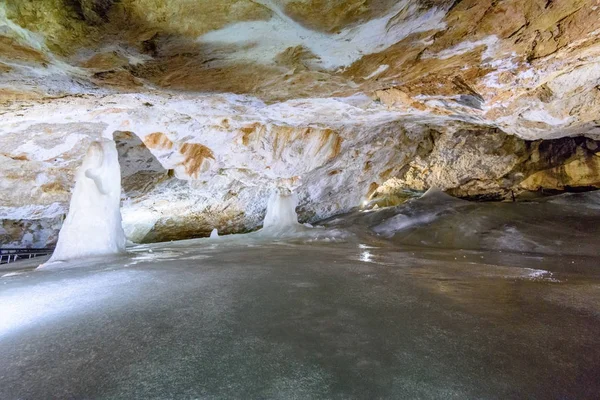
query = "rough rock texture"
x=489 y=164
x=213 y=104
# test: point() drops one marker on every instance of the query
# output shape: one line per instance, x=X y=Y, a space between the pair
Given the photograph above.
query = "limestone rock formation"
x=213 y=104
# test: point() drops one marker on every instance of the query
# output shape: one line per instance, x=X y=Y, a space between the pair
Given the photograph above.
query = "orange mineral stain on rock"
x=284 y=135
x=106 y=61
x=54 y=187
x=12 y=50
x=372 y=188
x=251 y=131
x=20 y=157
x=195 y=155
x=158 y=141
x=123 y=135
x=9 y=95
x=334 y=141
x=5 y=68
x=319 y=140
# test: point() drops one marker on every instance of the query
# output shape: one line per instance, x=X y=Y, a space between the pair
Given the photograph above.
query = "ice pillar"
x=281 y=210
x=93 y=224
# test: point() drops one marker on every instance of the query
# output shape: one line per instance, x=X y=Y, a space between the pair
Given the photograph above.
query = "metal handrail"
x=8 y=256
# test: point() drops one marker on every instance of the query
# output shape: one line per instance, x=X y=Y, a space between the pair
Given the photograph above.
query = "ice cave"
x=299 y=199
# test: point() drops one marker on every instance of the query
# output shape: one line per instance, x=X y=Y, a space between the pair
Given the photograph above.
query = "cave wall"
x=201 y=167
x=213 y=104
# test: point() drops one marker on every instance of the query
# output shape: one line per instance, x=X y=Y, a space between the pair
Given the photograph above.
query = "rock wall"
x=213 y=104
x=488 y=164
x=191 y=164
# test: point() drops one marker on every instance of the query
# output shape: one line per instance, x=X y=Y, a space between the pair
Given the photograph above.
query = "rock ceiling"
x=212 y=103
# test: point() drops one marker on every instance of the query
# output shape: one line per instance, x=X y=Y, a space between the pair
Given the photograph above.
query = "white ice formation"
x=93 y=224
x=281 y=214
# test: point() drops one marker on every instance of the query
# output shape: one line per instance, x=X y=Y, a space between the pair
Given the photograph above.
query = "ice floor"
x=325 y=314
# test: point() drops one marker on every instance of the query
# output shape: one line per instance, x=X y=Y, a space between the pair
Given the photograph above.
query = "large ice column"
x=281 y=211
x=93 y=225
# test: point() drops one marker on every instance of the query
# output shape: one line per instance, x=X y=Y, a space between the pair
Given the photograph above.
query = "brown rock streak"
x=158 y=141
x=195 y=154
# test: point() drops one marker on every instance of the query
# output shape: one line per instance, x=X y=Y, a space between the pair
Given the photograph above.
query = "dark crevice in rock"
x=93 y=12
x=140 y=170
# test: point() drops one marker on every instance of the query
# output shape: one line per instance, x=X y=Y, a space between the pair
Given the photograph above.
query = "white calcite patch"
x=545 y=117
x=40 y=153
x=32 y=211
x=262 y=41
x=490 y=43
x=56 y=77
x=379 y=70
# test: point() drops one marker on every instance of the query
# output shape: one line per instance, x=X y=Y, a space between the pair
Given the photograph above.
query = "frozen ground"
x=325 y=314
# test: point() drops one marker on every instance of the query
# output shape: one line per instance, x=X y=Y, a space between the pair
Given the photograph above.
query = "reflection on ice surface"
x=436 y=298
x=560 y=225
x=58 y=297
x=226 y=318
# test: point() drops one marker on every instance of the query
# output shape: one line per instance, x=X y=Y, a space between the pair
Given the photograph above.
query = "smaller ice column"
x=93 y=224
x=281 y=210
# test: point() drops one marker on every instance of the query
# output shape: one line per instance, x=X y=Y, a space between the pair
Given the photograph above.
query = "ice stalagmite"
x=281 y=212
x=93 y=225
